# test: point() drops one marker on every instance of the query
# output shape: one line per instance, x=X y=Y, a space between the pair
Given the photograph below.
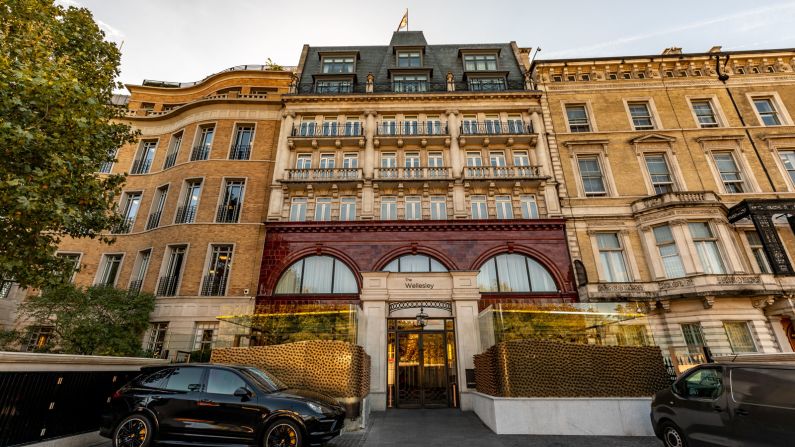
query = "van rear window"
x=764 y=386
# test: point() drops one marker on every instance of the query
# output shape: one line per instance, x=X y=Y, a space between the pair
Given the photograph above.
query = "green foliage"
x=94 y=321
x=273 y=65
x=57 y=127
x=10 y=340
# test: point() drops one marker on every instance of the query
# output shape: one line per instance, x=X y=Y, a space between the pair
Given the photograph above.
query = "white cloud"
x=68 y=3
x=748 y=17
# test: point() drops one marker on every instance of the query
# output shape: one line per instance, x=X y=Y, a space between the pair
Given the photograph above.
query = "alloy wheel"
x=672 y=437
x=132 y=433
x=282 y=435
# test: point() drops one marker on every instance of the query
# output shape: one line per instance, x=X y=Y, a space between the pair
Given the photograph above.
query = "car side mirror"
x=242 y=393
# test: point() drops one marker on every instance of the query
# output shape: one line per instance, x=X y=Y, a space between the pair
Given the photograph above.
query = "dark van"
x=728 y=404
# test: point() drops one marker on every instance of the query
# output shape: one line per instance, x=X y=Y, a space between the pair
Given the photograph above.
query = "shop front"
x=412 y=294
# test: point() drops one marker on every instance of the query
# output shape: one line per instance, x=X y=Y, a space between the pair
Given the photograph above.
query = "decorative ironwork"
x=400 y=305
x=761 y=213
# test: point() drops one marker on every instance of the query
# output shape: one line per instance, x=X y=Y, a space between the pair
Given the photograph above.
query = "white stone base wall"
x=564 y=416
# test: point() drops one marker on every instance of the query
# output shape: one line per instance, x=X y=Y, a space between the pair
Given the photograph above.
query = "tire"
x=283 y=433
x=133 y=431
x=672 y=436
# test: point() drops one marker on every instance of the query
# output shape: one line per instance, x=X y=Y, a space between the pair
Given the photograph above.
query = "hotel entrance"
x=421 y=364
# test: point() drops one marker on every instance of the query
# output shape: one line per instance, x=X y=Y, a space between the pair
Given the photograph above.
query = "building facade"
x=412 y=182
x=677 y=187
x=194 y=201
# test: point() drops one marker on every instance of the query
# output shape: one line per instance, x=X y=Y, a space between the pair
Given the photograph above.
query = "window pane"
x=487 y=278
x=290 y=282
x=344 y=281
x=704 y=384
x=223 y=382
x=320 y=279
x=512 y=271
x=608 y=240
x=740 y=337
x=540 y=279
x=185 y=379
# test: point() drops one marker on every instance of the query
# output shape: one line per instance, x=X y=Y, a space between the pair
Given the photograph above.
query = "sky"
x=187 y=40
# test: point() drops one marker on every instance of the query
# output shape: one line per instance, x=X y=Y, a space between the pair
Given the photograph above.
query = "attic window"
x=696 y=72
x=338 y=64
x=626 y=75
x=741 y=70
x=641 y=75
x=669 y=74
x=683 y=73
x=557 y=78
x=612 y=76
x=480 y=62
x=770 y=69
x=754 y=69
x=571 y=78
x=585 y=77
x=409 y=59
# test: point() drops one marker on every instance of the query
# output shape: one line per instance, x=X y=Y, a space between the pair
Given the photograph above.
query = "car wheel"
x=283 y=433
x=133 y=431
x=672 y=435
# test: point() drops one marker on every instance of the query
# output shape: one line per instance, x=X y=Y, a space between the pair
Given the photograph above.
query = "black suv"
x=742 y=404
x=218 y=405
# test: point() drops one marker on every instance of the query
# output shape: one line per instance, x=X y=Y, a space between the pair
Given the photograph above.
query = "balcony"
x=322 y=175
x=424 y=173
x=687 y=198
x=185 y=214
x=502 y=172
x=141 y=166
x=499 y=132
x=125 y=226
x=167 y=286
x=228 y=213
x=327 y=134
x=171 y=160
x=240 y=152
x=693 y=285
x=214 y=285
x=200 y=152
x=135 y=287
x=411 y=86
x=154 y=220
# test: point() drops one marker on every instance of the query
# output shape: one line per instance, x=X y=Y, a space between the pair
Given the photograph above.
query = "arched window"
x=414 y=263
x=317 y=274
x=514 y=273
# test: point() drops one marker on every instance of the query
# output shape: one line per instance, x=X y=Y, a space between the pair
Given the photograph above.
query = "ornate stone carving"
x=675 y=283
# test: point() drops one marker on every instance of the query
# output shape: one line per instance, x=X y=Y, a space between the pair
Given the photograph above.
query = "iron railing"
x=495 y=128
x=423 y=173
x=228 y=213
x=167 y=286
x=135 y=287
x=44 y=405
x=214 y=285
x=154 y=220
x=497 y=172
x=473 y=85
x=411 y=128
x=200 y=152
x=171 y=160
x=105 y=167
x=185 y=214
x=410 y=86
x=141 y=166
x=240 y=152
x=328 y=129
x=320 y=174
x=125 y=226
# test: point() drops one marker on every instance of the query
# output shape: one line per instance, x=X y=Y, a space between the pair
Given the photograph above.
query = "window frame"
x=748 y=327
x=653 y=116
x=295 y=202
x=410 y=57
x=338 y=59
x=416 y=207
x=324 y=205
x=674 y=187
x=712 y=238
x=480 y=55
x=588 y=127
x=717 y=113
x=102 y=269
x=473 y=199
x=673 y=242
x=744 y=183
x=606 y=272
x=581 y=179
x=391 y=203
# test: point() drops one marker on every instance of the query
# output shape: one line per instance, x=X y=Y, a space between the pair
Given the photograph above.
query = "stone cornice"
x=399 y=226
x=198 y=103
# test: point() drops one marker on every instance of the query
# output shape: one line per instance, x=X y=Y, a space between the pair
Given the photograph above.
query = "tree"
x=98 y=320
x=57 y=128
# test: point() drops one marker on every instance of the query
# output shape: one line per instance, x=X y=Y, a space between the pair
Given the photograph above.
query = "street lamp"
x=422 y=318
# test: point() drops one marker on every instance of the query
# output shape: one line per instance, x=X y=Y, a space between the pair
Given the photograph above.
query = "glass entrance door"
x=421 y=365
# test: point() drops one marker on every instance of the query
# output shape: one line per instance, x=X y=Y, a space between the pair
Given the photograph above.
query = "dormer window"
x=480 y=62
x=338 y=64
x=409 y=59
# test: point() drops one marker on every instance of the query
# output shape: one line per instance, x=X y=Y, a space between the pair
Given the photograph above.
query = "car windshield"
x=267 y=379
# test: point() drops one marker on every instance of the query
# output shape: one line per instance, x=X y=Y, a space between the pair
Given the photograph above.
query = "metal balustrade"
x=154 y=220
x=171 y=160
x=167 y=286
x=135 y=286
x=141 y=166
x=200 y=152
x=419 y=173
x=408 y=87
x=321 y=174
x=185 y=214
x=214 y=285
x=240 y=152
x=125 y=226
x=228 y=213
x=411 y=128
x=495 y=128
x=328 y=129
x=497 y=172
